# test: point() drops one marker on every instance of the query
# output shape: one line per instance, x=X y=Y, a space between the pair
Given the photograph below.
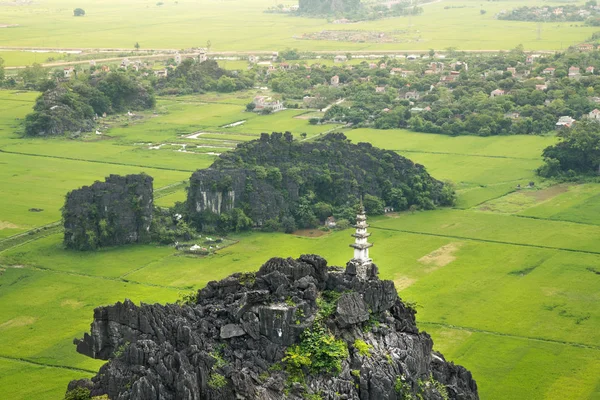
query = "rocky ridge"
x=242 y=336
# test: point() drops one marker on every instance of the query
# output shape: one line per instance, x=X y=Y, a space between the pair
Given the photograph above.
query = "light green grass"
x=42 y=182
x=20 y=58
x=242 y=25
x=42 y=382
x=581 y=203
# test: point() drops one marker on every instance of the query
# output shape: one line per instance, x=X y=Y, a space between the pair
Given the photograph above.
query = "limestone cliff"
x=116 y=211
x=246 y=337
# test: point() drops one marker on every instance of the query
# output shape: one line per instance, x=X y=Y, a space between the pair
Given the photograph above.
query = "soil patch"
x=546 y=194
x=310 y=233
x=7 y=225
x=403 y=282
x=17 y=322
x=440 y=257
x=72 y=303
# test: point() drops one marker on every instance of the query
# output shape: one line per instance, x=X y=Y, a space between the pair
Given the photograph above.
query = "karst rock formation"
x=231 y=342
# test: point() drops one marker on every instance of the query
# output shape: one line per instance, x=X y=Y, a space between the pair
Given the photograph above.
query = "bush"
x=289 y=224
x=78 y=12
x=217 y=381
x=78 y=393
x=364 y=349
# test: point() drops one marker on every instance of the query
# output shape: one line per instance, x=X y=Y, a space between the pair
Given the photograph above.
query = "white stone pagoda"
x=360 y=245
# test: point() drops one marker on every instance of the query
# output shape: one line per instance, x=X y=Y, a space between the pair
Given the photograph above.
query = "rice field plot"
x=42 y=311
x=108 y=24
x=34 y=187
x=482 y=168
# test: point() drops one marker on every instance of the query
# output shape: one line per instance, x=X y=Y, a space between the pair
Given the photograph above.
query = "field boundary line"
x=94 y=161
x=463 y=154
x=538 y=339
x=26 y=361
x=535 y=246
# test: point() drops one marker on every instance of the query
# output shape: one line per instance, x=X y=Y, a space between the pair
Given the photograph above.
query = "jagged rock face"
x=240 y=328
x=115 y=212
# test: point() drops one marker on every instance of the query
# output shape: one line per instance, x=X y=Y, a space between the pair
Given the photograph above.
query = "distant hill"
x=326 y=7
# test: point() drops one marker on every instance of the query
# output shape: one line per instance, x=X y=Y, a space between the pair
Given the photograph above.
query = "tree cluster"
x=463 y=105
x=577 y=153
x=587 y=13
x=72 y=106
x=199 y=77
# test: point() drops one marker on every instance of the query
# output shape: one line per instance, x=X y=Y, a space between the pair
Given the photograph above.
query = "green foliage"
x=216 y=381
x=327 y=303
x=118 y=352
x=578 y=151
x=402 y=388
x=78 y=393
x=78 y=12
x=318 y=352
x=187 y=299
x=373 y=205
x=364 y=349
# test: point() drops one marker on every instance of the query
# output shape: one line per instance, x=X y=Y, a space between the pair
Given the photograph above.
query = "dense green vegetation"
x=587 y=13
x=281 y=183
x=73 y=106
x=356 y=10
x=454 y=96
x=578 y=152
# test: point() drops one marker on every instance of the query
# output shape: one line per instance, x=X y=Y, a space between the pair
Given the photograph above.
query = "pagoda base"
x=362 y=269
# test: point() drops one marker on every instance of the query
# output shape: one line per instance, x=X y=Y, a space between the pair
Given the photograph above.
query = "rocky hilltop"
x=276 y=178
x=296 y=329
x=114 y=212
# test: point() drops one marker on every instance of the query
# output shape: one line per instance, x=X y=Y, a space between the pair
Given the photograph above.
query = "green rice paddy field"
x=187 y=23
x=507 y=282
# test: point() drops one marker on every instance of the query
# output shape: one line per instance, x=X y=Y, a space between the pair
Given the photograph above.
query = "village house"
x=565 y=122
x=585 y=47
x=335 y=81
x=105 y=68
x=594 y=114
x=330 y=223
x=92 y=63
x=541 y=87
x=271 y=69
x=68 y=72
x=512 y=70
x=340 y=59
x=177 y=58
x=253 y=59
x=412 y=95
x=595 y=99
x=163 y=73
x=557 y=11
x=574 y=72
x=497 y=92
x=380 y=89
x=429 y=72
x=382 y=66
x=266 y=102
x=589 y=70
x=512 y=115
x=284 y=66
x=529 y=60
x=274 y=56
x=395 y=71
x=202 y=56
x=436 y=67
x=549 y=71
x=448 y=78
x=125 y=63
x=372 y=65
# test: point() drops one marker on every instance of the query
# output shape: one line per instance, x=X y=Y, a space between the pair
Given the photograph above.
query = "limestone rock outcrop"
x=114 y=212
x=231 y=343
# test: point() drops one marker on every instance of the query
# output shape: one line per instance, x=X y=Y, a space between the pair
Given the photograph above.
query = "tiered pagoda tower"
x=361 y=245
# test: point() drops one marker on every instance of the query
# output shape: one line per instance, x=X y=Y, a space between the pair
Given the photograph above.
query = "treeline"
x=587 y=13
x=73 y=106
x=577 y=153
x=199 y=77
x=356 y=10
x=401 y=95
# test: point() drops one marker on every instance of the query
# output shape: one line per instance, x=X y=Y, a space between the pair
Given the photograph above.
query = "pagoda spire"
x=361 y=245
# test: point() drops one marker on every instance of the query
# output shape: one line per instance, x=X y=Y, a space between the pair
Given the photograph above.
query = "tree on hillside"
x=79 y=12
x=34 y=77
x=577 y=151
x=136 y=45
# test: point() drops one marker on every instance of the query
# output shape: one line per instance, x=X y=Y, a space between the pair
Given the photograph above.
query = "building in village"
x=266 y=102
